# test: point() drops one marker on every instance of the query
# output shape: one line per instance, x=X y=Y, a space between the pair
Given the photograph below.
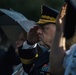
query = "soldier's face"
x=46 y=34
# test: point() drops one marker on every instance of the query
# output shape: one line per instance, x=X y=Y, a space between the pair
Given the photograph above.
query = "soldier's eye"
x=45 y=29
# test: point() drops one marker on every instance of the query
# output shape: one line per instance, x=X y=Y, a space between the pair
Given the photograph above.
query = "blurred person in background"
x=8 y=57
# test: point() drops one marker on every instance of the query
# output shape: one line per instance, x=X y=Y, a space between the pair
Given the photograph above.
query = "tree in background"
x=30 y=8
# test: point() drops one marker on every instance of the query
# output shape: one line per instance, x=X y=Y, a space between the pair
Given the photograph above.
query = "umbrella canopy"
x=13 y=23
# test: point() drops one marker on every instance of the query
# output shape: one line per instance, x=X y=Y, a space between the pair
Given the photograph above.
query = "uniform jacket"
x=34 y=63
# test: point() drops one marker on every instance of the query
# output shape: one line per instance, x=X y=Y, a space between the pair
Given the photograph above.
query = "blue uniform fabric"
x=70 y=61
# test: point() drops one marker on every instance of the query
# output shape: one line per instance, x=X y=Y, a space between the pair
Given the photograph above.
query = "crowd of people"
x=43 y=50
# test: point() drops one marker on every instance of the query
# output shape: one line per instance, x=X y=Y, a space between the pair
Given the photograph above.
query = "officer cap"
x=48 y=15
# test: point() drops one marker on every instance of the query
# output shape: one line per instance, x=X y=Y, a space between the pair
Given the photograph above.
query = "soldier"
x=33 y=61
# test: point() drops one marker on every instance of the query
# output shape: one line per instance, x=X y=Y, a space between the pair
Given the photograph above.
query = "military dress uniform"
x=34 y=63
x=19 y=68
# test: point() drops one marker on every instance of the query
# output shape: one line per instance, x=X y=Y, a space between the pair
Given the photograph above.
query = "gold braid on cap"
x=45 y=19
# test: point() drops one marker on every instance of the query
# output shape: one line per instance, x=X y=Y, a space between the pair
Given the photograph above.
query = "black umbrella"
x=13 y=23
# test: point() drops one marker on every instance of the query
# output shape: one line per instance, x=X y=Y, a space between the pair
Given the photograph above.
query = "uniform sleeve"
x=28 y=55
x=70 y=61
x=69 y=55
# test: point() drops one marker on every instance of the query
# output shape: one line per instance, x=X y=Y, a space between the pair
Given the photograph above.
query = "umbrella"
x=13 y=23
